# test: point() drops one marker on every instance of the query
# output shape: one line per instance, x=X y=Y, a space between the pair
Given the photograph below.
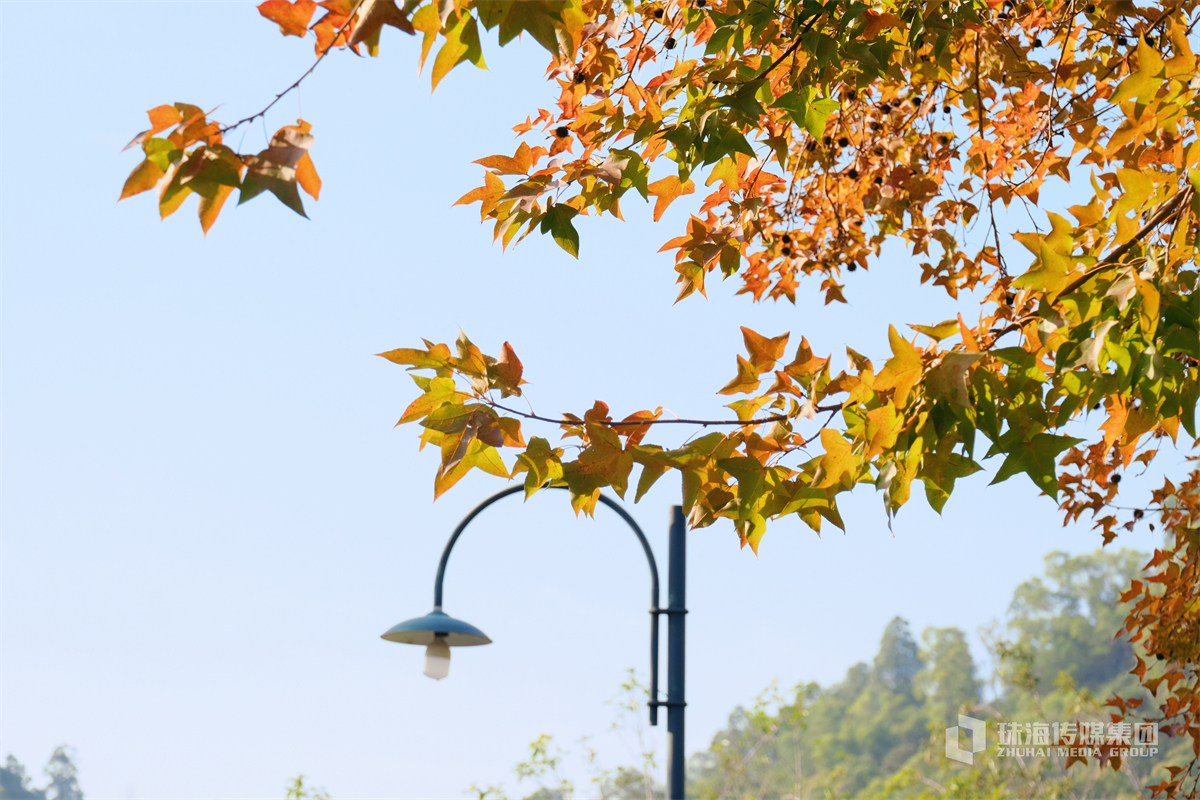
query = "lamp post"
x=440 y=632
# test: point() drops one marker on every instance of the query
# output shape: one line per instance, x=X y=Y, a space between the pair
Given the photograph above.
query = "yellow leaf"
x=902 y=371
x=882 y=428
x=839 y=465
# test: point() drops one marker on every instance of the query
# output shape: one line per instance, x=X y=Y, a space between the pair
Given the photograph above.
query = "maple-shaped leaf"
x=746 y=381
x=439 y=392
x=943 y=330
x=877 y=21
x=939 y=472
x=902 y=371
x=666 y=191
x=541 y=463
x=883 y=425
x=274 y=169
x=476 y=455
x=763 y=352
x=805 y=363
x=1143 y=84
x=212 y=173
x=292 y=18
x=518 y=164
x=604 y=459
x=557 y=222
x=950 y=378
x=487 y=195
x=1036 y=458
x=462 y=44
x=839 y=466
x=372 y=16
x=505 y=373
x=1089 y=351
x=161 y=118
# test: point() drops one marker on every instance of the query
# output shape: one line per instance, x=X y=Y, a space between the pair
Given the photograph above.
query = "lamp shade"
x=435 y=624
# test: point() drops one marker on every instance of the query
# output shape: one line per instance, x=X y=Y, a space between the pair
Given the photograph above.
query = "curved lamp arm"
x=655 y=611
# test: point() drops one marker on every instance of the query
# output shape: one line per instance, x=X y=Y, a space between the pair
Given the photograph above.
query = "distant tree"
x=1068 y=617
x=949 y=680
x=64 y=784
x=899 y=659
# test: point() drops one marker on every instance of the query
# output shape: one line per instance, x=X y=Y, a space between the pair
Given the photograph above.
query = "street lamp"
x=440 y=632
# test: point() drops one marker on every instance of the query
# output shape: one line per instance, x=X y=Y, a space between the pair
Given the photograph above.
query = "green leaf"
x=557 y=222
x=939 y=472
x=1036 y=458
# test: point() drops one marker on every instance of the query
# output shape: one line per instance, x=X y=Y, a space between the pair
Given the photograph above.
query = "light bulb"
x=437 y=659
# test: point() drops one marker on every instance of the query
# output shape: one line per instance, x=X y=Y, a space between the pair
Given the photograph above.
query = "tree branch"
x=1113 y=259
x=701 y=422
x=782 y=58
x=307 y=72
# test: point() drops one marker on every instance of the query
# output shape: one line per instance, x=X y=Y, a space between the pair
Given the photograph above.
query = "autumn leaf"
x=506 y=372
x=518 y=164
x=839 y=466
x=763 y=352
x=540 y=463
x=476 y=455
x=292 y=18
x=666 y=191
x=274 y=169
x=372 y=16
x=745 y=382
x=877 y=21
x=902 y=371
x=462 y=44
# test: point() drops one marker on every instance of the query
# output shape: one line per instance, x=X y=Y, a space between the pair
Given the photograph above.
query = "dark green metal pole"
x=676 y=611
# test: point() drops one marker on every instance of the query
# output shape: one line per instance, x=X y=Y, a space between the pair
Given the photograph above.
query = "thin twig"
x=1114 y=258
x=824 y=424
x=783 y=57
x=307 y=72
x=701 y=422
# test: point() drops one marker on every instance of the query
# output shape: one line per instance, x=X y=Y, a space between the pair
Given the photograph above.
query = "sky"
x=208 y=518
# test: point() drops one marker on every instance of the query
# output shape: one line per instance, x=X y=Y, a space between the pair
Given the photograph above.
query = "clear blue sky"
x=208 y=519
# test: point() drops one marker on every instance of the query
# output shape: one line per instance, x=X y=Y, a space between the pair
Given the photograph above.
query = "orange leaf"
x=306 y=175
x=211 y=207
x=488 y=195
x=143 y=178
x=163 y=117
x=517 y=164
x=292 y=18
x=763 y=352
x=746 y=380
x=666 y=191
x=509 y=367
x=877 y=21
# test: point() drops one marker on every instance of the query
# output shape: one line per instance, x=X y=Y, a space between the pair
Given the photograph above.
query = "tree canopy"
x=825 y=132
